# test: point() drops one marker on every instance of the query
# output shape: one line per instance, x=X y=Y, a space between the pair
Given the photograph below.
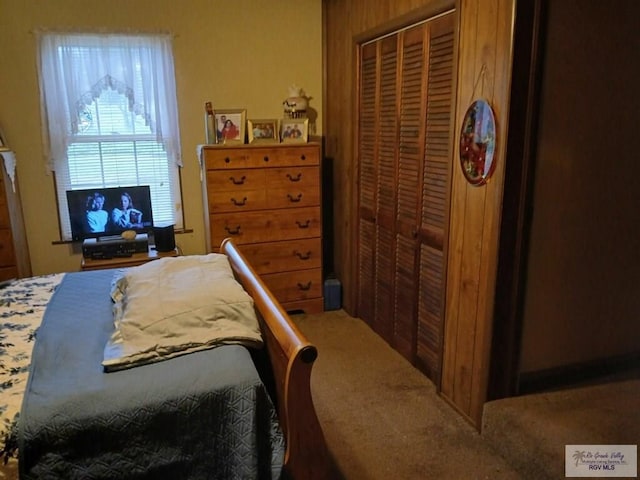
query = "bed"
x=226 y=412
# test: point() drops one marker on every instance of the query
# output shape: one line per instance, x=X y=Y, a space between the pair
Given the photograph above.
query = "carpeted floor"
x=383 y=419
x=541 y=424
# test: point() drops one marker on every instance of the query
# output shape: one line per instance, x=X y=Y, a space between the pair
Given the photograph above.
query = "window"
x=110 y=117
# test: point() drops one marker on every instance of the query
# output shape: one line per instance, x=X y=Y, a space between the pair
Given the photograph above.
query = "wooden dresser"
x=14 y=251
x=267 y=198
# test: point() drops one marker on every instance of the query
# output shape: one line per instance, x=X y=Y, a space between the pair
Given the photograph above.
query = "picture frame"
x=263 y=130
x=235 y=122
x=478 y=143
x=294 y=130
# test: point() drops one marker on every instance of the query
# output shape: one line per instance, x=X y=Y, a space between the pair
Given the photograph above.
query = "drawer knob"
x=304 y=287
x=303 y=225
x=239 y=181
x=232 y=231
x=303 y=157
x=227 y=160
x=266 y=158
x=294 y=179
x=303 y=256
x=239 y=203
x=295 y=199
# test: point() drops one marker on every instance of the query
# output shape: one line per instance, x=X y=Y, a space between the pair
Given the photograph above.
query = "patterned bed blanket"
x=22 y=304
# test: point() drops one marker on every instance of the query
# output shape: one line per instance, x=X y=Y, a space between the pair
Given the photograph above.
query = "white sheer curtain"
x=110 y=117
x=75 y=68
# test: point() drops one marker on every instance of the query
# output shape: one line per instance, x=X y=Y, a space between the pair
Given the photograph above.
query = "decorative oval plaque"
x=478 y=143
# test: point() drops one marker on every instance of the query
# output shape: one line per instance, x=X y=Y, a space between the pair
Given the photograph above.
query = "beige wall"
x=241 y=54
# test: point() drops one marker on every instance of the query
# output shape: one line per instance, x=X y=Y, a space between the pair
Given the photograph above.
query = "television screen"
x=105 y=212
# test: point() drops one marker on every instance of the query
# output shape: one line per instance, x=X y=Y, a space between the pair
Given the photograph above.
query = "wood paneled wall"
x=483 y=70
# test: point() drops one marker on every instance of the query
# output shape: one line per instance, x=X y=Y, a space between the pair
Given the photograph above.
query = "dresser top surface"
x=261 y=145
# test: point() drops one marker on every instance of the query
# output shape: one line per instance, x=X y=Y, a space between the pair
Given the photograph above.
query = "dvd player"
x=114 y=246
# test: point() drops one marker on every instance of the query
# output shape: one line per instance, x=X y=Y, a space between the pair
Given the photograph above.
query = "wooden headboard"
x=291 y=356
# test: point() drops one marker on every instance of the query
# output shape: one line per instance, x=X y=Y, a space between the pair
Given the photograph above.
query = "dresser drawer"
x=235 y=180
x=5 y=220
x=7 y=254
x=8 y=273
x=284 y=256
x=292 y=286
x=296 y=176
x=217 y=158
x=250 y=200
x=297 y=155
x=237 y=201
x=293 y=197
x=266 y=226
x=221 y=158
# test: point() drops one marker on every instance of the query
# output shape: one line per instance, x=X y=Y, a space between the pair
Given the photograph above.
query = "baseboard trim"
x=567 y=375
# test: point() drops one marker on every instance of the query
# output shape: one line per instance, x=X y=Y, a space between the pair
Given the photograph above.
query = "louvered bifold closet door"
x=377 y=147
x=437 y=168
x=387 y=140
x=367 y=181
x=410 y=155
x=404 y=113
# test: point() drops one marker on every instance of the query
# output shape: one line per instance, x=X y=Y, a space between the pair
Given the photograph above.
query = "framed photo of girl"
x=263 y=131
x=230 y=126
x=294 y=130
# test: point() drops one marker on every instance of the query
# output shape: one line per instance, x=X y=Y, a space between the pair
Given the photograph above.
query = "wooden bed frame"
x=292 y=357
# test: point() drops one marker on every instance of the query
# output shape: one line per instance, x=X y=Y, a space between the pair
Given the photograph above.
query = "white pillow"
x=173 y=306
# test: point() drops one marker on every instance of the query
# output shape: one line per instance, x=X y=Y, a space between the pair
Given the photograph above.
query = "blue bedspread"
x=203 y=415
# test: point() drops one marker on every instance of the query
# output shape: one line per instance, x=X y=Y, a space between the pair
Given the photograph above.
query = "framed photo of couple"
x=263 y=131
x=230 y=126
x=294 y=130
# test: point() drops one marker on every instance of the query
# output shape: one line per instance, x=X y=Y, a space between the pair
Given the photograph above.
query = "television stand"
x=94 y=248
x=133 y=260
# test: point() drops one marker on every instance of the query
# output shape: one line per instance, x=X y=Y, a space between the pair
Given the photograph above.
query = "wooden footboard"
x=291 y=356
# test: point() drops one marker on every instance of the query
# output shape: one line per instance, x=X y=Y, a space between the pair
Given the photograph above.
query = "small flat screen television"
x=107 y=212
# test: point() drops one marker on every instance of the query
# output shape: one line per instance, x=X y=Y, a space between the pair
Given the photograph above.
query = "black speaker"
x=164 y=238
